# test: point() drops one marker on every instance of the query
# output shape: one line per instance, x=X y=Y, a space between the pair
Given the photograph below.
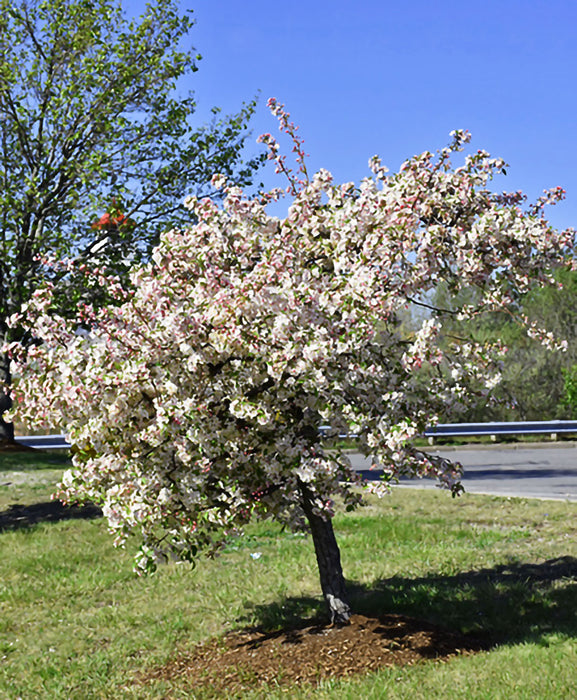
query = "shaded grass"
x=75 y=622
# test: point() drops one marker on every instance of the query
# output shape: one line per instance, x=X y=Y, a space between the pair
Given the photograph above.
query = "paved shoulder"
x=532 y=471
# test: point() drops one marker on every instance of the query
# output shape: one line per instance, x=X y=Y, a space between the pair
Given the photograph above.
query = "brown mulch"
x=251 y=658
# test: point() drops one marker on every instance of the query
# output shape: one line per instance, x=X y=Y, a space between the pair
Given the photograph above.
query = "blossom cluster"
x=194 y=404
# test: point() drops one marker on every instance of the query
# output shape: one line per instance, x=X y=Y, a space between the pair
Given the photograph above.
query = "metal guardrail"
x=494 y=429
x=44 y=442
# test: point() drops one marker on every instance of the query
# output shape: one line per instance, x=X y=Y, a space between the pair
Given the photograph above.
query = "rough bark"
x=328 y=560
x=6 y=429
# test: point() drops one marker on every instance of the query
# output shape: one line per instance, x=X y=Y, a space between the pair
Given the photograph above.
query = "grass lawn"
x=76 y=623
x=29 y=477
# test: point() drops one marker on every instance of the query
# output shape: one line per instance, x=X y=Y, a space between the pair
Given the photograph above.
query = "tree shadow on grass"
x=509 y=603
x=17 y=517
x=286 y=614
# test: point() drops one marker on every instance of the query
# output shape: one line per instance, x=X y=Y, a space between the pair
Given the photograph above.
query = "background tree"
x=534 y=380
x=194 y=403
x=570 y=390
x=91 y=116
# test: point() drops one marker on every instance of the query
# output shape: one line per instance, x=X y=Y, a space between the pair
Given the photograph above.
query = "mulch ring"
x=250 y=658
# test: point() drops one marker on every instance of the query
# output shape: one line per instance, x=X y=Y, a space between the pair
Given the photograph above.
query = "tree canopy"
x=194 y=403
x=93 y=124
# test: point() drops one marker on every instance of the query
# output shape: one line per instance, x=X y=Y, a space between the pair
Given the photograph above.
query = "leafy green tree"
x=532 y=376
x=570 y=389
x=92 y=124
x=536 y=382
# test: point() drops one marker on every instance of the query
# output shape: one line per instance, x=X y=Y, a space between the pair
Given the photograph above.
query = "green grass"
x=30 y=477
x=75 y=622
x=34 y=460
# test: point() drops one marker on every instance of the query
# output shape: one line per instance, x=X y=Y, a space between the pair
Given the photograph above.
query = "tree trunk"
x=6 y=429
x=328 y=560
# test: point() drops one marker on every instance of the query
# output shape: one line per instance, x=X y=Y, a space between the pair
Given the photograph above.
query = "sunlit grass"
x=30 y=477
x=75 y=622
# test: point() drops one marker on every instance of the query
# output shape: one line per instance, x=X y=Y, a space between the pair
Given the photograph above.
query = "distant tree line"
x=536 y=382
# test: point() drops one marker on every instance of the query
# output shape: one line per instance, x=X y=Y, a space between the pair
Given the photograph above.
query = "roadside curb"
x=501 y=446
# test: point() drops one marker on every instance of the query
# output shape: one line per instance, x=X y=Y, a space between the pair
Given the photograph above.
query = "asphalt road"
x=539 y=470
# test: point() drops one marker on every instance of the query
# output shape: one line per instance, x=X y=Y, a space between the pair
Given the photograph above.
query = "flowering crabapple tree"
x=194 y=404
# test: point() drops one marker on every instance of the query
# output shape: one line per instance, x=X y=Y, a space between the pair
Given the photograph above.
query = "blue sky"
x=395 y=78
